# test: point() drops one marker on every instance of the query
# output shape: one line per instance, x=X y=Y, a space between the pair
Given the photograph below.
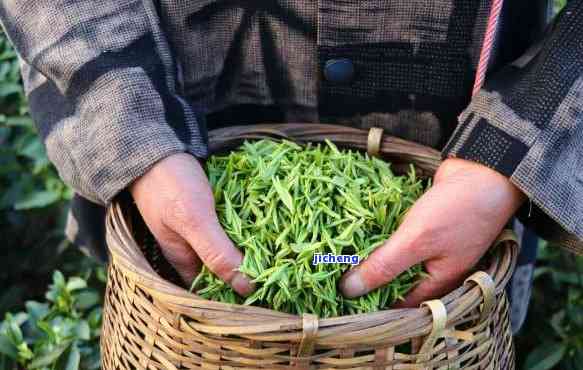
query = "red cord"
x=487 y=45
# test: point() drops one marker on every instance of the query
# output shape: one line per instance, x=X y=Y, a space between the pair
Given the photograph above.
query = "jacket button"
x=339 y=71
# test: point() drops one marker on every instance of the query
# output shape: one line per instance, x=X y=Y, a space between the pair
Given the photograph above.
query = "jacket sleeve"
x=101 y=85
x=527 y=123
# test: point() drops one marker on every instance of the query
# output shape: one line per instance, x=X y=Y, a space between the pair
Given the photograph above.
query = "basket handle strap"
x=375 y=138
x=439 y=313
x=488 y=288
x=309 y=334
x=485 y=282
x=507 y=235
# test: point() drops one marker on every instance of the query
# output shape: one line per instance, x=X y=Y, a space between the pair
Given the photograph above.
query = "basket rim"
x=258 y=323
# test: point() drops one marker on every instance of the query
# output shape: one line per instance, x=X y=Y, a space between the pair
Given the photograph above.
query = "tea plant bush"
x=58 y=330
x=27 y=179
x=32 y=198
x=61 y=332
x=552 y=337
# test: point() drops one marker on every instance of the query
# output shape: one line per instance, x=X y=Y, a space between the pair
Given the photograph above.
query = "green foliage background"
x=59 y=329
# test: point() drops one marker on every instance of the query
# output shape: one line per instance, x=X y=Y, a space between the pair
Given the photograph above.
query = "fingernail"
x=242 y=284
x=352 y=285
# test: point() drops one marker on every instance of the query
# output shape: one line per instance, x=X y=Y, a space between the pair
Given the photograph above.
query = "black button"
x=339 y=71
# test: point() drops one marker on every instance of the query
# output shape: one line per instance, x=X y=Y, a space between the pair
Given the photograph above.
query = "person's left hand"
x=449 y=229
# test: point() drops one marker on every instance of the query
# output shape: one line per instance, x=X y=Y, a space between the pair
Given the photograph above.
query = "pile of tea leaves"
x=281 y=203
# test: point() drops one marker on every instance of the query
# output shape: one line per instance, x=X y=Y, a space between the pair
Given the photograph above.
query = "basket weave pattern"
x=151 y=323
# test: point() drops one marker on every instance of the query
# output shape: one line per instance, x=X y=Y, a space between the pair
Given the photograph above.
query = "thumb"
x=382 y=266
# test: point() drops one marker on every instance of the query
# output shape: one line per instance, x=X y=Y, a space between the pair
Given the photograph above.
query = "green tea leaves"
x=284 y=194
x=281 y=204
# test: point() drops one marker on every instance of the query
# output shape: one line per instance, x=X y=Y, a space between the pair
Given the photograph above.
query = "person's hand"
x=176 y=202
x=449 y=229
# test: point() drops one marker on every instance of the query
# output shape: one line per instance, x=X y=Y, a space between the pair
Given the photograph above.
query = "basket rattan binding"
x=151 y=323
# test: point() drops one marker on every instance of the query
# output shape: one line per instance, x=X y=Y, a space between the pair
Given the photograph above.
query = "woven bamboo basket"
x=152 y=322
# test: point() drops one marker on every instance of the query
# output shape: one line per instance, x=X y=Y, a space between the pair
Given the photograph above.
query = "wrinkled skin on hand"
x=176 y=202
x=449 y=229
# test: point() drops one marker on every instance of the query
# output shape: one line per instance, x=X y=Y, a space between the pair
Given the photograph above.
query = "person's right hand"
x=176 y=202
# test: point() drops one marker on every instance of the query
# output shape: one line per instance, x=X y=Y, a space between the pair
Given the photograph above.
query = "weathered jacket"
x=116 y=85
